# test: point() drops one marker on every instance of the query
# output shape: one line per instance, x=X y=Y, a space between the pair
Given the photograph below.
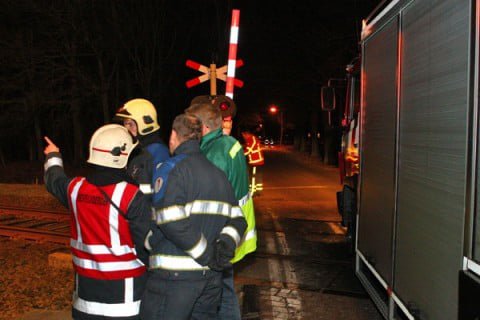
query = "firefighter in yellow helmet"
x=139 y=116
x=105 y=253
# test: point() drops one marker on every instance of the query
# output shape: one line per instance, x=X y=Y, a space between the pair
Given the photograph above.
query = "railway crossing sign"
x=225 y=73
x=211 y=73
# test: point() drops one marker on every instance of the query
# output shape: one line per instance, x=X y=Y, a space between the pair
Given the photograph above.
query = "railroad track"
x=34 y=224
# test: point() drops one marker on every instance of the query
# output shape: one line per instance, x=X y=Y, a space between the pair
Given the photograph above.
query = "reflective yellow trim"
x=234 y=150
x=249 y=243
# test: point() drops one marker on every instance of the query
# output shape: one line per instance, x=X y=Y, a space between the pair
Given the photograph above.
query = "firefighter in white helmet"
x=139 y=116
x=109 y=257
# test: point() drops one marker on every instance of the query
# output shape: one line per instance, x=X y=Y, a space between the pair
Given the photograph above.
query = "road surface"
x=301 y=269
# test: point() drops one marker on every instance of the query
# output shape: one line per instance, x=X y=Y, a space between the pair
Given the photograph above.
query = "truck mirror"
x=328 y=98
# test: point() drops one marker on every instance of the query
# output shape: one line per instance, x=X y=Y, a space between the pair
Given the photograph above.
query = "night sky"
x=62 y=62
x=290 y=49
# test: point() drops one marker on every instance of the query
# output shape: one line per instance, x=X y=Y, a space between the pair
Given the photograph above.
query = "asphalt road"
x=301 y=269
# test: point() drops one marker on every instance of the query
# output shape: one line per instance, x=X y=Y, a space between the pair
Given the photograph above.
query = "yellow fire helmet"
x=110 y=146
x=144 y=114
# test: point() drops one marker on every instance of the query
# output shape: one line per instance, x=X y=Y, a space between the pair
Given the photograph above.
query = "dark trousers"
x=176 y=299
x=229 y=307
x=77 y=315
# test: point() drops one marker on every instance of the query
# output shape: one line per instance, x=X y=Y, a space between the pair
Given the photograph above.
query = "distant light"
x=273 y=109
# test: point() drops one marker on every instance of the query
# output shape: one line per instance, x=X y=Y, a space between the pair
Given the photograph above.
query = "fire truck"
x=348 y=101
x=410 y=159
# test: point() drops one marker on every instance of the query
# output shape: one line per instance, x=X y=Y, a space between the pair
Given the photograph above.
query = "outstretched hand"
x=51 y=147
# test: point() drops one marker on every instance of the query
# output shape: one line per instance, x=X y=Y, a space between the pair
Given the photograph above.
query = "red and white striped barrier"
x=232 y=53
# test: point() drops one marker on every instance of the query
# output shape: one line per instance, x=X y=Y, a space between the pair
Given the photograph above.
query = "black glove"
x=223 y=252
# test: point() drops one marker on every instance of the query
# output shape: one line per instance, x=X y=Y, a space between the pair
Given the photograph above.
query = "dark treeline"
x=68 y=65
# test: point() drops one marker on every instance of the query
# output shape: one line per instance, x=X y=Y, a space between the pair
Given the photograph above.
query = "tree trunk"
x=76 y=111
x=105 y=107
x=128 y=85
x=38 y=137
x=327 y=147
x=117 y=90
x=103 y=90
x=330 y=156
x=31 y=149
x=303 y=143
x=315 y=145
x=78 y=154
x=2 y=158
x=297 y=140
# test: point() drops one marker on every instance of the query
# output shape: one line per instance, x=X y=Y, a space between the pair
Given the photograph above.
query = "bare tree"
x=27 y=86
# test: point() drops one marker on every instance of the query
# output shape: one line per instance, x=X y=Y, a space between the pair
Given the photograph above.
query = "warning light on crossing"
x=224 y=106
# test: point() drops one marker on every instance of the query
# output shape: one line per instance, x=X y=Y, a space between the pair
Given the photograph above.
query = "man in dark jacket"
x=199 y=226
x=109 y=222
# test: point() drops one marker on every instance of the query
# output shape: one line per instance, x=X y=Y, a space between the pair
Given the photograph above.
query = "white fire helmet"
x=144 y=114
x=110 y=146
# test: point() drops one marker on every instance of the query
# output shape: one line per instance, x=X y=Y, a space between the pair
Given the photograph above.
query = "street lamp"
x=274 y=109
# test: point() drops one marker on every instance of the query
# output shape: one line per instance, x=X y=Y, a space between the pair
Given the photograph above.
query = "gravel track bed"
x=27 y=282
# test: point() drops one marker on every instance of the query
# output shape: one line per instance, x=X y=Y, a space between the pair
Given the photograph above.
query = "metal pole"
x=213 y=79
x=281 y=127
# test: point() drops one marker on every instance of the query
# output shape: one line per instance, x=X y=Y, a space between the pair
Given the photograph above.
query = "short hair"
x=187 y=127
x=210 y=115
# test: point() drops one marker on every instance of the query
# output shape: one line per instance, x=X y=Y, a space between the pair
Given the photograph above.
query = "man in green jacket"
x=227 y=154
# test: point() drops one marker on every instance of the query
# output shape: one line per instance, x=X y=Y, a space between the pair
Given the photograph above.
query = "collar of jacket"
x=209 y=137
x=102 y=176
x=153 y=137
x=187 y=147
